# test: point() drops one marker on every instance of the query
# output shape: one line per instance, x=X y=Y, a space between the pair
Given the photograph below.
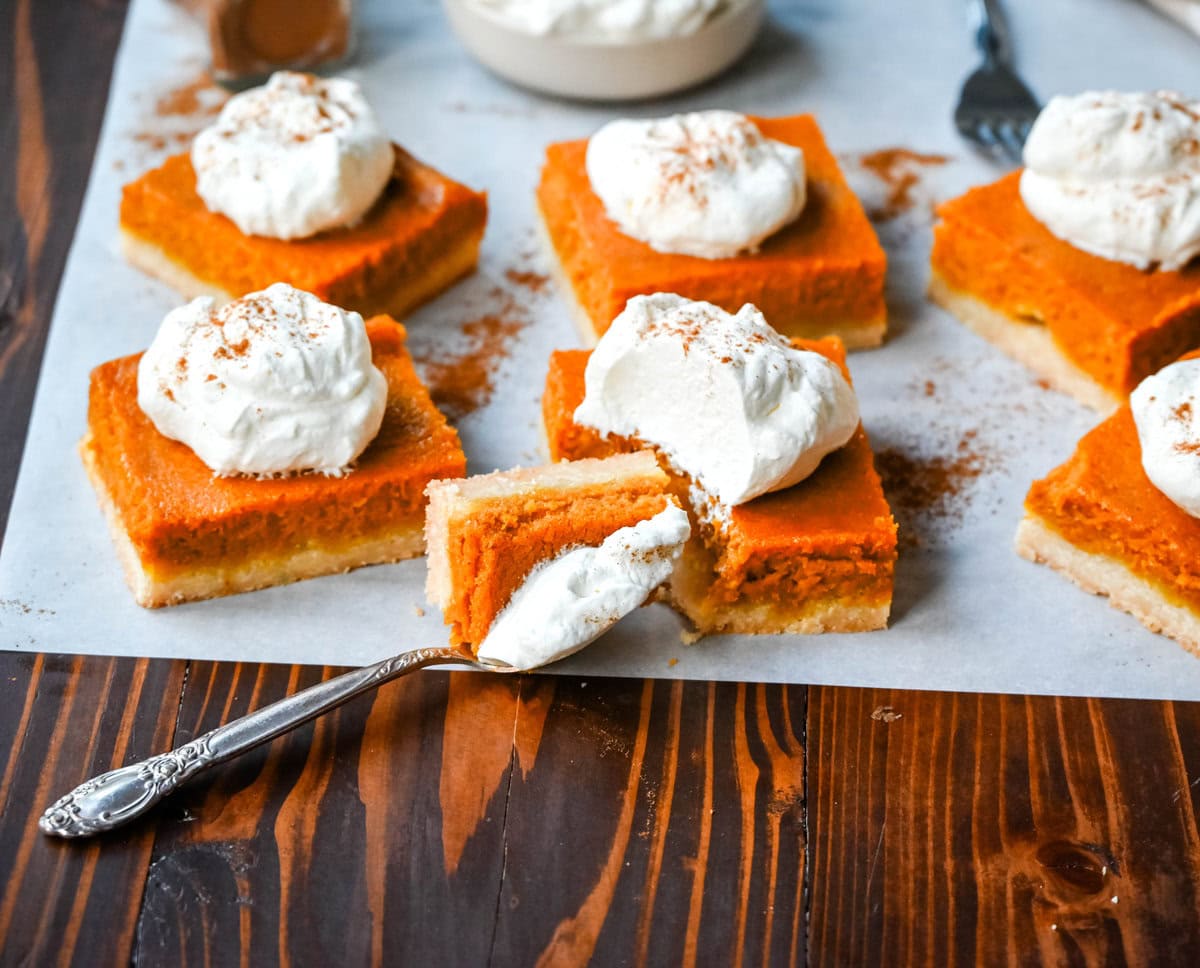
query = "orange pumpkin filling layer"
x=368 y=267
x=180 y=518
x=820 y=275
x=1115 y=322
x=831 y=538
x=486 y=534
x=1102 y=502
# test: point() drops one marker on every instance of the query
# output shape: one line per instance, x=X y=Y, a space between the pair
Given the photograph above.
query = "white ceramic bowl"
x=604 y=70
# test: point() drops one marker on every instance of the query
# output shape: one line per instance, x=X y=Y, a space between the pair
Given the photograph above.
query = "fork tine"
x=1010 y=141
x=985 y=135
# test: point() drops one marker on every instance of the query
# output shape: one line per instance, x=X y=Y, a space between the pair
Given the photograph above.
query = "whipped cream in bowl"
x=1166 y=412
x=607 y=50
x=1118 y=175
x=706 y=184
x=298 y=156
x=570 y=600
x=724 y=397
x=277 y=382
x=611 y=20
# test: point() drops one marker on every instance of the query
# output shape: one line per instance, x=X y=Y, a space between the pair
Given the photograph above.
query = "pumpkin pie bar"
x=1100 y=521
x=818 y=556
x=1091 y=327
x=184 y=534
x=820 y=275
x=486 y=534
x=421 y=235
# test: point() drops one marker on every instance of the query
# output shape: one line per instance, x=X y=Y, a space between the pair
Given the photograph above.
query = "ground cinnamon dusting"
x=899 y=169
x=535 y=282
x=156 y=141
x=461 y=377
x=462 y=380
x=1183 y=413
x=198 y=96
x=462 y=383
x=180 y=114
x=929 y=492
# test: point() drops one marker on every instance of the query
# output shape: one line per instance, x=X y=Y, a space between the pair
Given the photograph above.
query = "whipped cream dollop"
x=614 y=20
x=273 y=383
x=574 y=598
x=295 y=157
x=1166 y=411
x=723 y=397
x=1118 y=175
x=706 y=184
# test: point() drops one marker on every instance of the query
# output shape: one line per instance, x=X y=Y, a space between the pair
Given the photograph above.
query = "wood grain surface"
x=454 y=819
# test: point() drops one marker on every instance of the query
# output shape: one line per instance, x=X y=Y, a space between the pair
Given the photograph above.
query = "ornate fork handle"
x=116 y=797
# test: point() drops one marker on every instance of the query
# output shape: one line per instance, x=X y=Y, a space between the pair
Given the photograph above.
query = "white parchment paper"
x=968 y=615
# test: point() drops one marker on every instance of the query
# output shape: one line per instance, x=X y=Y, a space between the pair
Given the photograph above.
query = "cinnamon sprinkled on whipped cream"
x=1118 y=175
x=706 y=184
x=274 y=383
x=723 y=397
x=1166 y=411
x=298 y=156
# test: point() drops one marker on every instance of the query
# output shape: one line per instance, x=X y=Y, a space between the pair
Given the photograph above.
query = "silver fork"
x=116 y=797
x=995 y=109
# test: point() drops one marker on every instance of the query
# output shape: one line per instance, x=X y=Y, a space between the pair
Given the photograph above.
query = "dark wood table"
x=463 y=819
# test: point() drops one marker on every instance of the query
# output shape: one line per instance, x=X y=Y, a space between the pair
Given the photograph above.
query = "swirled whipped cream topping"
x=1118 y=175
x=613 y=20
x=574 y=598
x=295 y=157
x=1166 y=411
x=706 y=184
x=273 y=383
x=723 y=397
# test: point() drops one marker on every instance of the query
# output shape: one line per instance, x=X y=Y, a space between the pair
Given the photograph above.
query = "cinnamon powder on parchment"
x=900 y=169
x=929 y=494
x=462 y=381
x=534 y=282
x=154 y=141
x=180 y=113
x=199 y=96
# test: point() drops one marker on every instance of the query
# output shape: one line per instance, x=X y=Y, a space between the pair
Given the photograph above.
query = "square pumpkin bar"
x=1091 y=327
x=816 y=557
x=421 y=235
x=184 y=534
x=821 y=275
x=1100 y=521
